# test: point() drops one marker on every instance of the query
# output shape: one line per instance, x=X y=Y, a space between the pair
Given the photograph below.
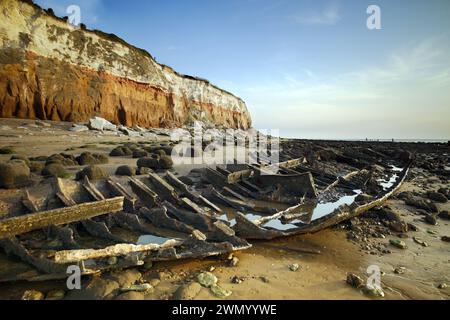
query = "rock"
x=101 y=124
x=188 y=291
x=7 y=150
x=420 y=241
x=400 y=270
x=140 y=154
x=36 y=167
x=41 y=123
x=148 y=163
x=165 y=162
x=436 y=196
x=155 y=282
x=143 y=171
x=354 y=280
x=79 y=128
x=54 y=170
x=399 y=226
x=101 y=158
x=421 y=204
x=444 y=215
x=55 y=295
x=14 y=174
x=32 y=295
x=129 y=132
x=121 y=152
x=233 y=262
x=207 y=279
x=86 y=158
x=125 y=171
x=373 y=291
x=93 y=173
x=398 y=243
x=264 y=279
x=144 y=287
x=413 y=227
x=220 y=292
x=131 y=296
x=96 y=289
x=442 y=286
x=294 y=267
x=445 y=238
x=237 y=280
x=127 y=277
x=431 y=219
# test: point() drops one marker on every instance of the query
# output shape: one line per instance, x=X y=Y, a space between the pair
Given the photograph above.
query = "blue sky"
x=309 y=68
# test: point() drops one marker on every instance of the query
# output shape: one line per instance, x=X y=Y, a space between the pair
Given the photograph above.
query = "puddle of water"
x=277 y=224
x=151 y=239
x=324 y=209
x=230 y=218
x=386 y=184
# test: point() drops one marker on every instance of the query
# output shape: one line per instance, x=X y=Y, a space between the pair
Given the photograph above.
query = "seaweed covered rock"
x=121 y=152
x=36 y=167
x=165 y=162
x=93 y=173
x=148 y=162
x=62 y=159
x=14 y=174
x=140 y=154
x=126 y=171
x=20 y=157
x=156 y=162
x=6 y=150
x=55 y=170
x=88 y=158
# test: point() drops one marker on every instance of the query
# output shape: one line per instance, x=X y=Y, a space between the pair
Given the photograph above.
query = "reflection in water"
x=313 y=212
x=323 y=209
x=230 y=218
x=151 y=239
x=277 y=224
x=386 y=184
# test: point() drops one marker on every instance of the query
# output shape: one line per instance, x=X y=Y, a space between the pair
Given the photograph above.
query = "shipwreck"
x=124 y=222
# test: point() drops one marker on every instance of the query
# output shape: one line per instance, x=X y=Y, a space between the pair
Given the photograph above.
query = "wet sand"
x=264 y=268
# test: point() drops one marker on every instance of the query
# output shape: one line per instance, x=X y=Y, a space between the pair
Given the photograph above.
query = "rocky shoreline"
x=407 y=237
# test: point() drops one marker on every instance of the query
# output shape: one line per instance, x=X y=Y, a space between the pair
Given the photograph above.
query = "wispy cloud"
x=329 y=15
x=378 y=101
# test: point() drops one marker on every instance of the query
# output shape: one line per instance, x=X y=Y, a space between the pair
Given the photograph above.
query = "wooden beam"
x=23 y=224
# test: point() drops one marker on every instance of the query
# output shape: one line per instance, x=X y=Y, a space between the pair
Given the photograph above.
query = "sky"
x=310 y=69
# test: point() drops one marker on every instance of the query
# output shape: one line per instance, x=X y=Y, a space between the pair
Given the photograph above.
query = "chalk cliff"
x=50 y=70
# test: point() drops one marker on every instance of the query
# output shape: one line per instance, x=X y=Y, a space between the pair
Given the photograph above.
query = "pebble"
x=294 y=267
x=237 y=280
x=398 y=243
x=442 y=286
x=400 y=270
x=145 y=287
x=373 y=291
x=420 y=241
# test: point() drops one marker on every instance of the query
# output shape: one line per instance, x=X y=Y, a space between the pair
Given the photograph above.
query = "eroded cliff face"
x=49 y=70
